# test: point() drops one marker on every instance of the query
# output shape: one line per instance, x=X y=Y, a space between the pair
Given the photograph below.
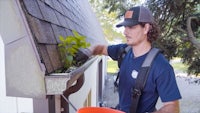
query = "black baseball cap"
x=135 y=15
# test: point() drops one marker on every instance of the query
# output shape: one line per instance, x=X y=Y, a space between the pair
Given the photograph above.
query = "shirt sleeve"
x=167 y=86
x=113 y=50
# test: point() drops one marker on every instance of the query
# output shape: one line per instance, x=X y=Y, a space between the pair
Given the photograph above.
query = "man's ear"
x=147 y=28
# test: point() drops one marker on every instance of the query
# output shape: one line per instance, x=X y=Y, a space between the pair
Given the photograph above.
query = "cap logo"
x=128 y=14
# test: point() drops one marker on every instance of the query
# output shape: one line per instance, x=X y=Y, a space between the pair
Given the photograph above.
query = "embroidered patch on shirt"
x=134 y=74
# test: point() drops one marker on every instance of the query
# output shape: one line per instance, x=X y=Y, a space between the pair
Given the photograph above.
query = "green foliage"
x=107 y=20
x=119 y=6
x=192 y=61
x=112 y=66
x=178 y=65
x=69 y=46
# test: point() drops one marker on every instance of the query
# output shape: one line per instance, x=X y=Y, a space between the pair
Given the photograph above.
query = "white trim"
x=29 y=34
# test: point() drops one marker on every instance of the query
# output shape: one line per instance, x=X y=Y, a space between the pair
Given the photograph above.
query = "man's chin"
x=128 y=42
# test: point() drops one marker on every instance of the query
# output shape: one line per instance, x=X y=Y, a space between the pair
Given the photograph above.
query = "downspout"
x=69 y=91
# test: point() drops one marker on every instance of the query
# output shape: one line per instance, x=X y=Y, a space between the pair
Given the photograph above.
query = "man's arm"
x=100 y=50
x=169 y=107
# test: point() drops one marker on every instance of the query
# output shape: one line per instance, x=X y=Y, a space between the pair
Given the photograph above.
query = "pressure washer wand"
x=69 y=102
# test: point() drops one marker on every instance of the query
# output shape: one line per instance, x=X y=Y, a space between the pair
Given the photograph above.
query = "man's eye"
x=129 y=27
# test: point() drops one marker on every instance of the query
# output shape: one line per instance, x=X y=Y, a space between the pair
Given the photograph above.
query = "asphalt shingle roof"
x=48 y=19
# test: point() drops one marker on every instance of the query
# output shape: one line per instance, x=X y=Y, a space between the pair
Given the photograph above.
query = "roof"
x=48 y=19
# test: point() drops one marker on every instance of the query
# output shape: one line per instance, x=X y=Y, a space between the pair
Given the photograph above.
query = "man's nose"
x=125 y=30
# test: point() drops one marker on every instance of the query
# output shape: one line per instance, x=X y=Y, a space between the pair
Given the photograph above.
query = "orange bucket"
x=98 y=110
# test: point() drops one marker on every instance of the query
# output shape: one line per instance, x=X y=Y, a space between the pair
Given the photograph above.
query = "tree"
x=179 y=22
x=119 y=6
x=107 y=20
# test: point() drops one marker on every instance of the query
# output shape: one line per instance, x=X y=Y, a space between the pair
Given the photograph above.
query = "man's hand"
x=100 y=50
x=82 y=56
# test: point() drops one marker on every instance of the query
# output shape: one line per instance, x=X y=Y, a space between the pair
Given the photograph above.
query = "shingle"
x=54 y=56
x=48 y=13
x=48 y=33
x=67 y=21
x=66 y=4
x=78 y=29
x=59 y=31
x=71 y=16
x=42 y=31
x=57 y=6
x=65 y=10
x=62 y=1
x=45 y=58
x=75 y=17
x=49 y=2
x=61 y=19
x=70 y=24
x=33 y=8
x=69 y=32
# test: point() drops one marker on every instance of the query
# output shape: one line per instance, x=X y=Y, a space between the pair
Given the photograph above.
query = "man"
x=140 y=31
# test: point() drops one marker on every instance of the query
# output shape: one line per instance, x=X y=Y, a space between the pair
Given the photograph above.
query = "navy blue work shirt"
x=161 y=80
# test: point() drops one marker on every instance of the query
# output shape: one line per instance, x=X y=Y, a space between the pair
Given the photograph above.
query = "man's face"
x=136 y=35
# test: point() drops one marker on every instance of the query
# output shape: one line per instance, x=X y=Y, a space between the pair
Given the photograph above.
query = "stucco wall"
x=24 y=74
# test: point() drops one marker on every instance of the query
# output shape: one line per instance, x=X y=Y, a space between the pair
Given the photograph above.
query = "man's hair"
x=153 y=33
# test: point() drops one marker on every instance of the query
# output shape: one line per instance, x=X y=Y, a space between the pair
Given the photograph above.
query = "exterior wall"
x=18 y=61
x=17 y=104
x=90 y=85
x=4 y=101
x=24 y=74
